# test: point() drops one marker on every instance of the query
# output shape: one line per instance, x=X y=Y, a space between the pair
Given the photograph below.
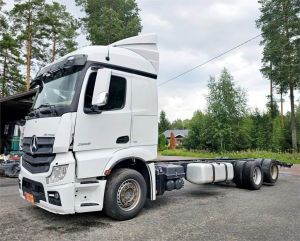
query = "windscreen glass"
x=59 y=90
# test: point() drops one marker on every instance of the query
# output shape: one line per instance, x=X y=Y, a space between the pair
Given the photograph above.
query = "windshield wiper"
x=44 y=105
x=44 y=109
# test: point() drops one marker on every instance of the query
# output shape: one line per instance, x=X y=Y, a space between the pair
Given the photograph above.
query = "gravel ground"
x=206 y=212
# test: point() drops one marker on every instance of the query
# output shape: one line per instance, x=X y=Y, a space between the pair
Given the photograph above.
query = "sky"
x=191 y=32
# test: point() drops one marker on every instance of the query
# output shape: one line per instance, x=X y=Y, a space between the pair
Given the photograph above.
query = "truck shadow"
x=70 y=223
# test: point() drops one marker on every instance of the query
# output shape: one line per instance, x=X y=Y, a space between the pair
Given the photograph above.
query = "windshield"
x=59 y=90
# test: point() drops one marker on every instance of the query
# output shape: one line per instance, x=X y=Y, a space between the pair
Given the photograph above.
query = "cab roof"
x=138 y=53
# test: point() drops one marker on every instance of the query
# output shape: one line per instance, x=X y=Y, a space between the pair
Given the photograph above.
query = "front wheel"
x=125 y=194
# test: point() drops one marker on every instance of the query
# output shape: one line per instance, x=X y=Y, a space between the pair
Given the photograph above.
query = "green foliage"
x=177 y=125
x=3 y=20
x=11 y=80
x=281 y=156
x=60 y=28
x=107 y=21
x=35 y=30
x=199 y=134
x=223 y=127
x=162 y=142
x=279 y=23
x=228 y=127
x=277 y=138
x=164 y=124
x=226 y=107
x=272 y=108
x=27 y=21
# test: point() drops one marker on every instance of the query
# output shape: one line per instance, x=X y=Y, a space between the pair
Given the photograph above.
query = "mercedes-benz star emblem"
x=33 y=145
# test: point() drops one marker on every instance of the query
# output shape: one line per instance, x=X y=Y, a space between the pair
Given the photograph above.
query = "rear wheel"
x=252 y=175
x=238 y=173
x=270 y=171
x=125 y=194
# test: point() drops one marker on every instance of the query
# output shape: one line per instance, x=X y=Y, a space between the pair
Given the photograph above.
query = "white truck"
x=90 y=141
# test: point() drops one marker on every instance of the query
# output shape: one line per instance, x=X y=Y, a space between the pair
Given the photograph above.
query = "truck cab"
x=95 y=111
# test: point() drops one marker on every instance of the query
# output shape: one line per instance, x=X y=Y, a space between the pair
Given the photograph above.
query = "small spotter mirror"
x=101 y=89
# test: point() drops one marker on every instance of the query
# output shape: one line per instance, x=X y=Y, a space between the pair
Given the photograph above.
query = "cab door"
x=108 y=126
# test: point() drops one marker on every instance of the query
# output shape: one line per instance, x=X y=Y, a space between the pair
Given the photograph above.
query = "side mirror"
x=101 y=89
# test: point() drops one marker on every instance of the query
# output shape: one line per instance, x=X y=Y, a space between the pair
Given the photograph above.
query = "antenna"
x=109 y=33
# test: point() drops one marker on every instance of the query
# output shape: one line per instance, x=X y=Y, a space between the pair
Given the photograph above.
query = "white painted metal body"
x=87 y=143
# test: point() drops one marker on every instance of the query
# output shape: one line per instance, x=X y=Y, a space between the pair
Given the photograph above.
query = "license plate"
x=29 y=197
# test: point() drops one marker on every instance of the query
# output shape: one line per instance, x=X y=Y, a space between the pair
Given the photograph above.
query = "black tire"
x=270 y=171
x=238 y=173
x=113 y=194
x=252 y=175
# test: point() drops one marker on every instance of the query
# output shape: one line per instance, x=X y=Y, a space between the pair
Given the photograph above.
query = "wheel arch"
x=137 y=164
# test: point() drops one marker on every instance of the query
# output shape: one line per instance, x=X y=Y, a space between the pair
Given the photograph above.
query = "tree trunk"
x=281 y=109
x=53 y=47
x=293 y=119
x=290 y=78
x=271 y=96
x=28 y=60
x=28 y=50
x=271 y=93
x=4 y=75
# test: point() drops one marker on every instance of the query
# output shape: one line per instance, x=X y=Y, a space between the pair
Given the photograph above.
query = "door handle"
x=122 y=139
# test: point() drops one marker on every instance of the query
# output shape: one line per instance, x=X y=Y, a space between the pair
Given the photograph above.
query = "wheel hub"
x=129 y=194
x=274 y=171
x=257 y=176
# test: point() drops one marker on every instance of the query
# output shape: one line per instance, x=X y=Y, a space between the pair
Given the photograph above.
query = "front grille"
x=34 y=188
x=37 y=164
x=44 y=145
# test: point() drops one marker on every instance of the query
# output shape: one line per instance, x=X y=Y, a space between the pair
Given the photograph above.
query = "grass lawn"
x=286 y=157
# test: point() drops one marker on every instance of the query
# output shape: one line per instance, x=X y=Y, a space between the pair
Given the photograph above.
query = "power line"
x=206 y=62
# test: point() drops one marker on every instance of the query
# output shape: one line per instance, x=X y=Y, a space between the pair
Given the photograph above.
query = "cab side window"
x=116 y=95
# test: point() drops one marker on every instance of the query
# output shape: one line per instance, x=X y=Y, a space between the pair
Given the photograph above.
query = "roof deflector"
x=144 y=45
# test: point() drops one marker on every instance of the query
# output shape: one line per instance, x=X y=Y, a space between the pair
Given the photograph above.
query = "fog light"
x=58 y=173
x=54 y=198
x=56 y=195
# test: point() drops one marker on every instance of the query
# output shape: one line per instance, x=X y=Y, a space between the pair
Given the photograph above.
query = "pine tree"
x=164 y=123
x=162 y=141
x=11 y=79
x=199 y=133
x=26 y=16
x=279 y=23
x=277 y=135
x=107 y=21
x=60 y=28
x=3 y=21
x=177 y=124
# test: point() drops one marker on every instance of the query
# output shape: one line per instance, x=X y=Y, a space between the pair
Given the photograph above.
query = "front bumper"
x=66 y=194
x=36 y=185
x=84 y=195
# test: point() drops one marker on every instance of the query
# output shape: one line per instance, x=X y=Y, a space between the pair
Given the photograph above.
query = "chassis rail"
x=219 y=160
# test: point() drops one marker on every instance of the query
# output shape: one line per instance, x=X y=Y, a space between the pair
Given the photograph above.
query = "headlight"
x=58 y=173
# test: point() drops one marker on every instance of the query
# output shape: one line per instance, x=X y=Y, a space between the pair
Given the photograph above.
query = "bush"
x=162 y=141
